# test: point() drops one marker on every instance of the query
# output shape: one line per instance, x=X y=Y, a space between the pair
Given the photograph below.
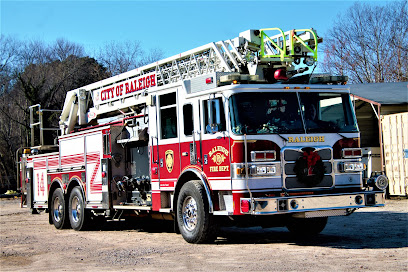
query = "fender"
x=55 y=183
x=188 y=174
x=76 y=181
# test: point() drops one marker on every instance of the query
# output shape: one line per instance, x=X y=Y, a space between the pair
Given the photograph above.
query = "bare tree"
x=34 y=52
x=9 y=48
x=151 y=56
x=122 y=57
x=369 y=43
x=9 y=56
x=36 y=73
x=62 y=49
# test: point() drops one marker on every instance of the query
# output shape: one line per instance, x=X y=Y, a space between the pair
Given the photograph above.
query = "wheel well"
x=54 y=185
x=74 y=183
x=188 y=175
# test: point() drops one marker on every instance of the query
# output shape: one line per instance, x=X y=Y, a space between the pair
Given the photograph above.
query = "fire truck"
x=235 y=132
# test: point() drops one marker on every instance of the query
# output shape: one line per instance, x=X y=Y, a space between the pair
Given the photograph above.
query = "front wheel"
x=306 y=226
x=79 y=217
x=194 y=221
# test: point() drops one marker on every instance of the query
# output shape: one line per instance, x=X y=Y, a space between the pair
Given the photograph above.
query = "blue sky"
x=173 y=26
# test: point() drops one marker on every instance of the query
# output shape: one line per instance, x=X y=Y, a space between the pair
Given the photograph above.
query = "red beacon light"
x=280 y=74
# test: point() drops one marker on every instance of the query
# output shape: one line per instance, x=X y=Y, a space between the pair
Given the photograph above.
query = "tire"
x=79 y=217
x=58 y=209
x=194 y=221
x=306 y=226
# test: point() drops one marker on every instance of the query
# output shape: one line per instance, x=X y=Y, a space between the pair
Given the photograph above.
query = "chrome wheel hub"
x=58 y=209
x=76 y=209
x=190 y=213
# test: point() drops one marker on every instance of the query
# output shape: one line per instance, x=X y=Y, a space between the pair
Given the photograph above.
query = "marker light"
x=245 y=205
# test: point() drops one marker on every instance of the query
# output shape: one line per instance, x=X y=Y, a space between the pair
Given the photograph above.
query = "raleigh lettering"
x=308 y=139
x=218 y=149
x=128 y=87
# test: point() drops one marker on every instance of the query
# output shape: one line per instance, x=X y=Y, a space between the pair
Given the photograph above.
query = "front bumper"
x=314 y=205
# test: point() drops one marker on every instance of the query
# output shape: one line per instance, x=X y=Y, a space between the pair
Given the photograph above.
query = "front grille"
x=290 y=180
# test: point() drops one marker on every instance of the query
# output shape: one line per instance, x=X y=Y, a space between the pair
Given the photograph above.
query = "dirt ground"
x=373 y=239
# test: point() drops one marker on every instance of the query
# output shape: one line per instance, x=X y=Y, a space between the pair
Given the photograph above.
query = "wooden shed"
x=382 y=115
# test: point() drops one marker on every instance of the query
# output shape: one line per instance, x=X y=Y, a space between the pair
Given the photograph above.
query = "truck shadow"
x=372 y=230
x=139 y=225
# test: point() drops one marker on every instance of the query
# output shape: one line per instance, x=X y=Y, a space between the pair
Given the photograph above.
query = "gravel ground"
x=373 y=239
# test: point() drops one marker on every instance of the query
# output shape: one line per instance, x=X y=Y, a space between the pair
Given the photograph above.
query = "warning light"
x=280 y=74
x=103 y=174
x=209 y=80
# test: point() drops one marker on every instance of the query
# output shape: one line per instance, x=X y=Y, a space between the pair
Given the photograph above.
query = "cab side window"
x=168 y=115
x=214 y=115
x=188 y=119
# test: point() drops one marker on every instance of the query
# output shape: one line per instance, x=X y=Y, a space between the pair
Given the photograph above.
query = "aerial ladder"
x=256 y=53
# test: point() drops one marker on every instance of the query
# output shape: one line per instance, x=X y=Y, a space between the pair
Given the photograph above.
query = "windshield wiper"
x=283 y=138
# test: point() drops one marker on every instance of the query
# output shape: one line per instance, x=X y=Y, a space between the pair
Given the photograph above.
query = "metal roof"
x=382 y=93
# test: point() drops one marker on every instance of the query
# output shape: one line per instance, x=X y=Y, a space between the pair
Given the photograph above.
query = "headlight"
x=262 y=170
x=259 y=170
x=351 y=166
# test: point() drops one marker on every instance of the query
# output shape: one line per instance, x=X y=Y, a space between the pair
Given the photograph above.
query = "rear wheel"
x=79 y=217
x=58 y=209
x=306 y=226
x=194 y=221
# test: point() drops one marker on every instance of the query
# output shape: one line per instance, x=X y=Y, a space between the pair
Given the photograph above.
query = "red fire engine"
x=232 y=132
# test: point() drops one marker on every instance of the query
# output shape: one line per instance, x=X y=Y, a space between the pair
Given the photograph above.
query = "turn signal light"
x=259 y=150
x=345 y=143
x=352 y=153
x=268 y=155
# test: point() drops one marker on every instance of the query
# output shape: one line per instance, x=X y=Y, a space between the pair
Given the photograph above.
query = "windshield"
x=327 y=112
x=266 y=113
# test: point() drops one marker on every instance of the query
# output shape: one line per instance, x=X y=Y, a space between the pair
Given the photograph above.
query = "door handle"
x=155 y=161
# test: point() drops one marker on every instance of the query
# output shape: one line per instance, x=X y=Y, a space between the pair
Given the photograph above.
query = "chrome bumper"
x=309 y=205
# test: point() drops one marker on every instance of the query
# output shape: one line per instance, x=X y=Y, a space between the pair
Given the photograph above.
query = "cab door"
x=190 y=147
x=216 y=142
x=165 y=145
